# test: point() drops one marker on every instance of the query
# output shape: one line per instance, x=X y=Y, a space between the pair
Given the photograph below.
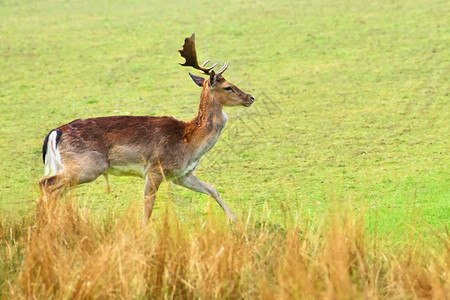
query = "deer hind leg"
x=108 y=187
x=193 y=183
x=53 y=187
x=86 y=169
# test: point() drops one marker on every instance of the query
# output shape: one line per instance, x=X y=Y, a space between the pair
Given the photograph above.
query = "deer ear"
x=212 y=79
x=197 y=79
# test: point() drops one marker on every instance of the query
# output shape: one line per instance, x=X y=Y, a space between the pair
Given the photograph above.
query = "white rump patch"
x=53 y=160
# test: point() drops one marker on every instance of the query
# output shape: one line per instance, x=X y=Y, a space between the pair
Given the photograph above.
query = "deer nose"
x=251 y=98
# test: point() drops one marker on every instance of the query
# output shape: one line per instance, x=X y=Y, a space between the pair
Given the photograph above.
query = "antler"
x=225 y=66
x=190 y=54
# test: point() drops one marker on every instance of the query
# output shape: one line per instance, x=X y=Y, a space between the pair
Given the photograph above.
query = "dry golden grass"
x=63 y=253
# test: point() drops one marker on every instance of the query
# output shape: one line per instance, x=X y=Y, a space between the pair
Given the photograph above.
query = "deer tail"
x=50 y=152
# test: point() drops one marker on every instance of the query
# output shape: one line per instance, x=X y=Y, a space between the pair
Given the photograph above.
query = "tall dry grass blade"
x=70 y=254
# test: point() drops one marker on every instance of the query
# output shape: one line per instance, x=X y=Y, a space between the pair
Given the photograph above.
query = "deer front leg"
x=193 y=183
x=150 y=190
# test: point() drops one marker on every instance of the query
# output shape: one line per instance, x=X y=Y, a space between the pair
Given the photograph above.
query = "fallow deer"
x=153 y=148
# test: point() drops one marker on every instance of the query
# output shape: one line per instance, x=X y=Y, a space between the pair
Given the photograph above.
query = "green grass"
x=353 y=101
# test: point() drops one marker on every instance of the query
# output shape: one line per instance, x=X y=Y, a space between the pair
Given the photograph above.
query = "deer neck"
x=205 y=128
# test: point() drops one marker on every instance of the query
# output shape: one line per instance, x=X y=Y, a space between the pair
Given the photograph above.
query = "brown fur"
x=157 y=148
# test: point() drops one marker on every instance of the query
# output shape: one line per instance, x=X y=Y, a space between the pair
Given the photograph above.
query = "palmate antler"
x=190 y=54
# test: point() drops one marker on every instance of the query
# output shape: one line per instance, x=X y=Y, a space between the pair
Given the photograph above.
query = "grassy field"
x=352 y=110
x=66 y=253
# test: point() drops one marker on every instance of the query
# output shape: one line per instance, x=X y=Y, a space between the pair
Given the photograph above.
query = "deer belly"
x=127 y=170
x=188 y=168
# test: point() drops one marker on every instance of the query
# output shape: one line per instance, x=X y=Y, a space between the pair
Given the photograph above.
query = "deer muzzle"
x=249 y=100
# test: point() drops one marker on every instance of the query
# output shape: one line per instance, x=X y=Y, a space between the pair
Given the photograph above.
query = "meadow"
x=339 y=173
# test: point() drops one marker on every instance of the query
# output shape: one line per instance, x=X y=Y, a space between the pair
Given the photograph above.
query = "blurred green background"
x=352 y=101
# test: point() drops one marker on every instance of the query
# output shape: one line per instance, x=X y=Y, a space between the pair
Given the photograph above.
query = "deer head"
x=216 y=87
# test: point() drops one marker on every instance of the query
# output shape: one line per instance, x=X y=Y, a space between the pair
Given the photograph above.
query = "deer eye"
x=228 y=88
